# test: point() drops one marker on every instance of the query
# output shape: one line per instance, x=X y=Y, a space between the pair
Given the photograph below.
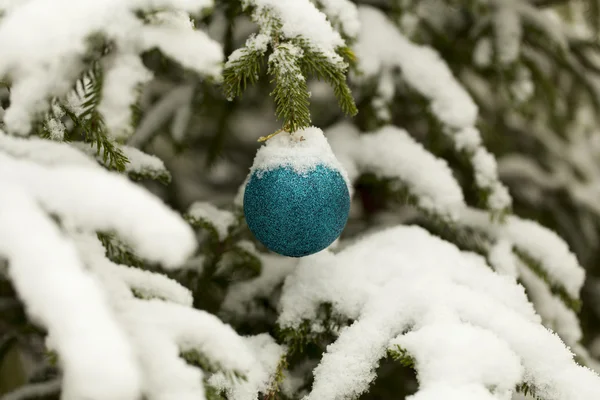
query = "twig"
x=265 y=138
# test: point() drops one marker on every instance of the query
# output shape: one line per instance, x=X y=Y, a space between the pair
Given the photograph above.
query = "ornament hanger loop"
x=265 y=138
x=277 y=132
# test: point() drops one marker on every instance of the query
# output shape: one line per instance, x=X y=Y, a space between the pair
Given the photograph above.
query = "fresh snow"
x=254 y=44
x=267 y=354
x=151 y=285
x=121 y=83
x=53 y=123
x=536 y=241
x=143 y=164
x=346 y=279
x=158 y=331
x=418 y=283
x=222 y=220
x=390 y=152
x=98 y=200
x=301 y=151
x=427 y=73
x=464 y=357
x=344 y=13
x=43 y=65
x=139 y=163
x=502 y=258
x=301 y=19
x=59 y=294
x=44 y=152
x=193 y=49
x=555 y=314
x=422 y=68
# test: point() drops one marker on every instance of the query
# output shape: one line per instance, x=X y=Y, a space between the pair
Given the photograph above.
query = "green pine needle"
x=401 y=355
x=291 y=92
x=91 y=123
x=118 y=252
x=527 y=390
x=288 y=65
x=243 y=71
x=316 y=64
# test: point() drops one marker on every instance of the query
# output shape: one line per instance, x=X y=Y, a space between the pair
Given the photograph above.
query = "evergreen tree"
x=467 y=131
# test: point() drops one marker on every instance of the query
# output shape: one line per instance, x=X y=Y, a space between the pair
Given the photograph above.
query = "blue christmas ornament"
x=296 y=200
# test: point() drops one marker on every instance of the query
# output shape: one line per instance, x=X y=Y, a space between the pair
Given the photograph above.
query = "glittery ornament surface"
x=296 y=214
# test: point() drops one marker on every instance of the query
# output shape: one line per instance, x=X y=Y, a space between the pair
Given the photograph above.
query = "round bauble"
x=297 y=196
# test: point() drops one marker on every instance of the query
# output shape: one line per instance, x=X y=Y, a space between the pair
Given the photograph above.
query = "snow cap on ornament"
x=297 y=196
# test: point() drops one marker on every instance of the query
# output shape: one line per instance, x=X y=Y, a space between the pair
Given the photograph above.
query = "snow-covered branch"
x=96 y=357
x=426 y=73
x=42 y=66
x=418 y=283
x=391 y=153
x=94 y=199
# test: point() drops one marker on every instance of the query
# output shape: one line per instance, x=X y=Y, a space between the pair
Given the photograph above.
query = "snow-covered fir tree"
x=466 y=133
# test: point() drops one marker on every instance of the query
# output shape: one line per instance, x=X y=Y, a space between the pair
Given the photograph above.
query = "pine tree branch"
x=291 y=91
